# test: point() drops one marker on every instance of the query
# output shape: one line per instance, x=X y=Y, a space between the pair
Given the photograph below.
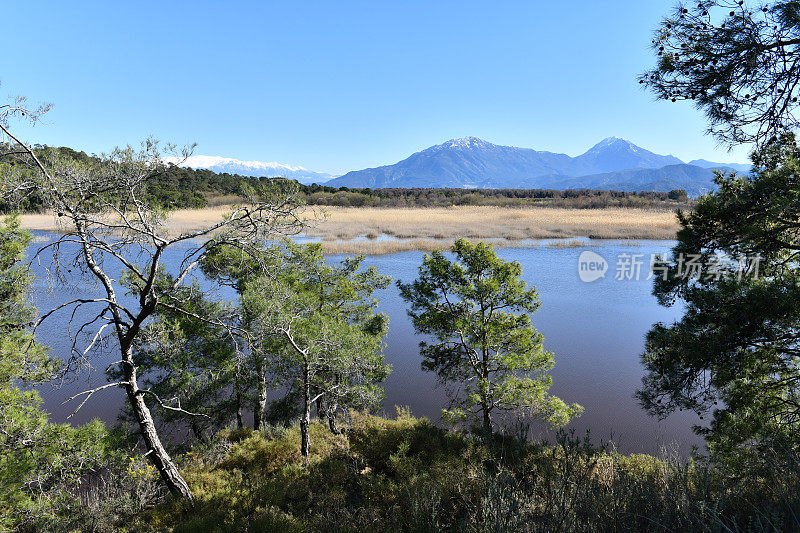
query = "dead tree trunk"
x=126 y=332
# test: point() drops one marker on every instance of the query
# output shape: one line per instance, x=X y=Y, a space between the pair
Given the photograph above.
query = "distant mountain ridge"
x=738 y=167
x=227 y=165
x=470 y=162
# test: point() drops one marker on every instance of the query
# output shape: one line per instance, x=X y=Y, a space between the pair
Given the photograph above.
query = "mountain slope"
x=693 y=179
x=460 y=163
x=738 y=167
x=471 y=162
x=613 y=153
x=227 y=165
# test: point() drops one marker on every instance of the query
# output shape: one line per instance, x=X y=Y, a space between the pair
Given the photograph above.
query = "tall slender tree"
x=734 y=353
x=331 y=340
x=485 y=349
x=235 y=268
x=113 y=227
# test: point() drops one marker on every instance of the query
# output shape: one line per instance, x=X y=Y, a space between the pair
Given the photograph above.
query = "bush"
x=405 y=474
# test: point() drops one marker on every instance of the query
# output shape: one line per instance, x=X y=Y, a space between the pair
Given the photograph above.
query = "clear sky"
x=338 y=86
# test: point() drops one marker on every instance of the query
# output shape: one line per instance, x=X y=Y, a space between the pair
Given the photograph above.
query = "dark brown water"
x=596 y=331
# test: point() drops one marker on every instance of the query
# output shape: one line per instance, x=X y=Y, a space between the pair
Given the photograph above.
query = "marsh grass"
x=568 y=243
x=426 y=225
x=373 y=247
x=376 y=247
x=482 y=222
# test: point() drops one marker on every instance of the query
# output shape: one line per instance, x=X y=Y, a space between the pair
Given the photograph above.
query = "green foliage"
x=679 y=195
x=408 y=475
x=419 y=197
x=257 y=455
x=734 y=60
x=40 y=463
x=330 y=339
x=22 y=359
x=735 y=351
x=477 y=310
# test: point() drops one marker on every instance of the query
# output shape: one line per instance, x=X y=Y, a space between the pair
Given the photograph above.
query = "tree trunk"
x=332 y=423
x=261 y=404
x=305 y=444
x=198 y=431
x=487 y=417
x=330 y=411
x=155 y=450
x=239 y=418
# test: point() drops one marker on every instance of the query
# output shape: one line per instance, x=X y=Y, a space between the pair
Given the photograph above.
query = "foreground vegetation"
x=408 y=475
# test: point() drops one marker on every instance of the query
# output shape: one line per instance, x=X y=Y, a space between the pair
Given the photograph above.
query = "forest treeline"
x=182 y=188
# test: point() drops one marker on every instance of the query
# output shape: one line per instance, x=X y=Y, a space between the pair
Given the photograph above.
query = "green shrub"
x=406 y=474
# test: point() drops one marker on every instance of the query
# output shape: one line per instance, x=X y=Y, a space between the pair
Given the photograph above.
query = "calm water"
x=596 y=331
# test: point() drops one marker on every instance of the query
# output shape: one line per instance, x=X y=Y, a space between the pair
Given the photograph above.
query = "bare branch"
x=169 y=407
x=89 y=394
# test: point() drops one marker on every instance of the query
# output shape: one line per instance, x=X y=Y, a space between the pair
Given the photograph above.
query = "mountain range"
x=612 y=164
x=227 y=165
x=470 y=162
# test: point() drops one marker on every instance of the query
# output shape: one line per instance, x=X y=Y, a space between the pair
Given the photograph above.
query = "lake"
x=595 y=329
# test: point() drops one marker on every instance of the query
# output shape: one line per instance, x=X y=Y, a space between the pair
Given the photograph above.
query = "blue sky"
x=338 y=86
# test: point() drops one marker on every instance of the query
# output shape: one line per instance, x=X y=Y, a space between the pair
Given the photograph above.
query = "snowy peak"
x=474 y=162
x=206 y=161
x=614 y=153
x=465 y=143
x=615 y=143
x=228 y=165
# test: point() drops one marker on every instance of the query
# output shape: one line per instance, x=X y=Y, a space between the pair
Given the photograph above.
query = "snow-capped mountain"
x=227 y=165
x=614 y=153
x=471 y=162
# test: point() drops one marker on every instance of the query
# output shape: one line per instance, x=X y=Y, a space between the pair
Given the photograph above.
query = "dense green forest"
x=178 y=187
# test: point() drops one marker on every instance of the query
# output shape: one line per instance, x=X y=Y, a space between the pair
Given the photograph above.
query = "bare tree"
x=116 y=237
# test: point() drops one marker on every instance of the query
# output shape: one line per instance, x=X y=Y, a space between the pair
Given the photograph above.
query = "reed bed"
x=568 y=243
x=435 y=228
x=371 y=247
x=385 y=247
x=484 y=222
